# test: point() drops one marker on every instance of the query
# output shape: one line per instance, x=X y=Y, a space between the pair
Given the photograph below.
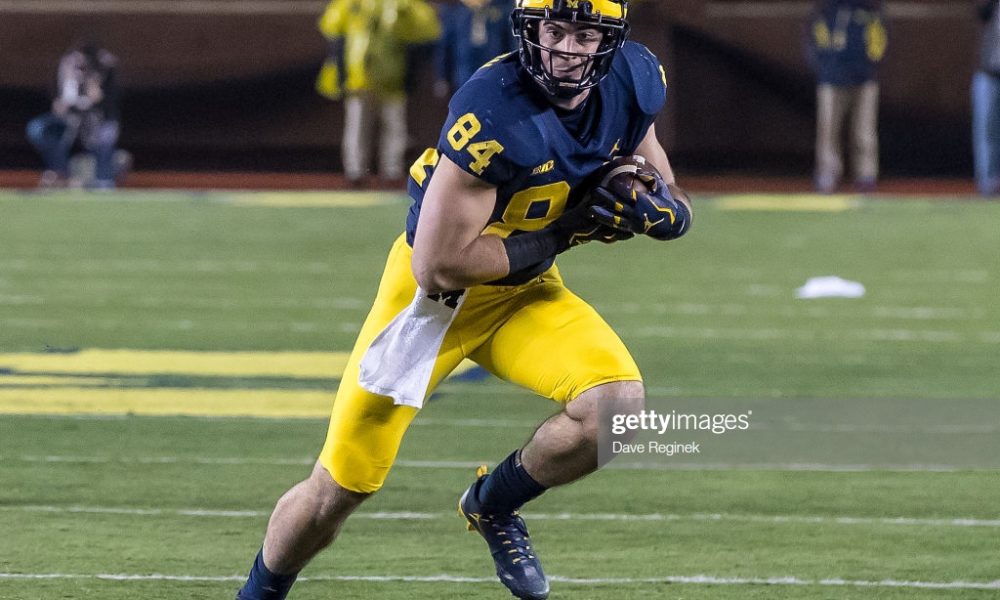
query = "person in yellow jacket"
x=366 y=65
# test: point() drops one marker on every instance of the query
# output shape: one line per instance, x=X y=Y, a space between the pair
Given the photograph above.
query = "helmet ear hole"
x=531 y=30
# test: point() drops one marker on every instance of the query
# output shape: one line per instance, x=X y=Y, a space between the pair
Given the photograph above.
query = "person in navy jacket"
x=847 y=41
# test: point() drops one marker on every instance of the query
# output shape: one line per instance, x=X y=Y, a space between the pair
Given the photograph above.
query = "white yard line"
x=798 y=467
x=588 y=581
x=564 y=516
x=819 y=335
x=730 y=309
x=77 y=266
x=472 y=464
x=902 y=335
x=499 y=423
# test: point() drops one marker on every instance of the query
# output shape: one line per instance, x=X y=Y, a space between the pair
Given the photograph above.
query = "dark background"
x=228 y=84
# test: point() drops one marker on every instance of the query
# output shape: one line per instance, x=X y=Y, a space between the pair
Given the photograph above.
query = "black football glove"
x=613 y=212
x=656 y=213
x=661 y=214
x=587 y=222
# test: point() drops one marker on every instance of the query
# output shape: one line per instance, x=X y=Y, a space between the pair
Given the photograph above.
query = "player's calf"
x=304 y=522
x=565 y=447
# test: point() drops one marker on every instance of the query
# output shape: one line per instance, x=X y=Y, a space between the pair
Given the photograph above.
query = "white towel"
x=400 y=360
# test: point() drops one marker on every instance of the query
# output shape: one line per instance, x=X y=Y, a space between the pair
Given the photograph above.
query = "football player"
x=505 y=190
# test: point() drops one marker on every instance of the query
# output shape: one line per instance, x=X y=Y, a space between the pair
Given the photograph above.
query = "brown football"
x=620 y=175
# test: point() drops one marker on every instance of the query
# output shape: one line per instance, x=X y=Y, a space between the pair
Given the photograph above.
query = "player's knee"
x=332 y=502
x=621 y=398
x=628 y=395
x=599 y=403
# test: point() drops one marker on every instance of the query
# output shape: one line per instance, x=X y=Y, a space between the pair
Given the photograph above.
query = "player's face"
x=565 y=47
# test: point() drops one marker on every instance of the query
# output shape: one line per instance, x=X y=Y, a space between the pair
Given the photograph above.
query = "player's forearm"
x=484 y=259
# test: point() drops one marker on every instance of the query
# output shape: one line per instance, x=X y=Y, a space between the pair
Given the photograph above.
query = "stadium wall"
x=228 y=84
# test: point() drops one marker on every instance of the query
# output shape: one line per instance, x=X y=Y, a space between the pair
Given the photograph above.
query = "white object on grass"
x=830 y=286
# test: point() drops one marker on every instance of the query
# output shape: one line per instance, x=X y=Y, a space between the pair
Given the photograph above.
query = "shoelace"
x=513 y=529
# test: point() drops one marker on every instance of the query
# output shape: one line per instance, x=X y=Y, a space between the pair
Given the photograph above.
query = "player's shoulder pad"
x=649 y=79
x=497 y=99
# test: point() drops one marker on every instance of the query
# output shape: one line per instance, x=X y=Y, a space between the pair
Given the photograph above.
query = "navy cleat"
x=507 y=537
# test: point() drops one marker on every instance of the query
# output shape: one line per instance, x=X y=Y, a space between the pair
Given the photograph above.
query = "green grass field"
x=152 y=411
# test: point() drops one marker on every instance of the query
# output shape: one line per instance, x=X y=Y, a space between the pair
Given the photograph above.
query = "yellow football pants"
x=538 y=335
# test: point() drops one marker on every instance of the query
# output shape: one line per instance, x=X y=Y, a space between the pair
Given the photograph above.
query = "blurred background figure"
x=370 y=48
x=473 y=33
x=847 y=40
x=986 y=102
x=85 y=113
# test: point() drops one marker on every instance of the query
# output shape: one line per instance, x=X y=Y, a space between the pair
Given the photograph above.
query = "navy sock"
x=262 y=584
x=509 y=486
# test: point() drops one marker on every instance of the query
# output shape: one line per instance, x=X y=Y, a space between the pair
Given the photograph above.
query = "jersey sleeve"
x=649 y=78
x=481 y=135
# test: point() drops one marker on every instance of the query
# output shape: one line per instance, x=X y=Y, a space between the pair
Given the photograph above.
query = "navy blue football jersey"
x=503 y=130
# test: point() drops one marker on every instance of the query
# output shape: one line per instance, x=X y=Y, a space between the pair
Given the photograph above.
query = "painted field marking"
x=898 y=335
x=564 y=516
x=317 y=199
x=815 y=311
x=50 y=383
x=294 y=364
x=724 y=332
x=75 y=266
x=581 y=581
x=472 y=464
x=54 y=380
x=21 y=300
x=166 y=401
x=171 y=362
